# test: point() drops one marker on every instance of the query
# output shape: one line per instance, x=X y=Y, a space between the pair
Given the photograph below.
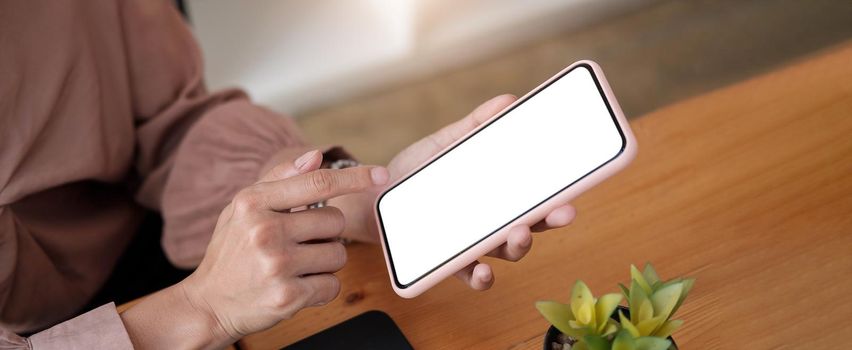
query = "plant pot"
x=553 y=333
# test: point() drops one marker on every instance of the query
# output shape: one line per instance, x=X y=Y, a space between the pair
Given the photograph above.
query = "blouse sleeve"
x=195 y=149
x=100 y=328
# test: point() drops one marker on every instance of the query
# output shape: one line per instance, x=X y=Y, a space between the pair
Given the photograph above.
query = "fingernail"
x=380 y=175
x=303 y=160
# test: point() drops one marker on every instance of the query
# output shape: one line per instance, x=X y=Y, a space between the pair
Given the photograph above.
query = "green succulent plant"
x=585 y=315
x=624 y=340
x=651 y=302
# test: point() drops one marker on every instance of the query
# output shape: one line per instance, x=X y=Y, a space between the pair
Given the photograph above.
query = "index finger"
x=315 y=186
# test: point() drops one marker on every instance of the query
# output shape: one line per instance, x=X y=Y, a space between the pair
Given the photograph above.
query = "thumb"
x=481 y=114
x=307 y=162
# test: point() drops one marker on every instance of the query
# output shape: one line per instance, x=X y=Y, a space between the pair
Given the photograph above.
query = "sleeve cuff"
x=100 y=328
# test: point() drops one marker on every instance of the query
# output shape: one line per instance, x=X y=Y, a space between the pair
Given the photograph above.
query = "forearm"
x=169 y=320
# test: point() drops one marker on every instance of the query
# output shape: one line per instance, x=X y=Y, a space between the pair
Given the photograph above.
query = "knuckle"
x=244 y=201
x=339 y=255
x=365 y=177
x=334 y=212
x=278 y=172
x=362 y=176
x=322 y=181
x=332 y=290
x=261 y=235
x=336 y=219
x=272 y=268
x=285 y=297
x=335 y=287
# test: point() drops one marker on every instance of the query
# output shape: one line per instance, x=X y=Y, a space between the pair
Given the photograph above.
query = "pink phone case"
x=533 y=216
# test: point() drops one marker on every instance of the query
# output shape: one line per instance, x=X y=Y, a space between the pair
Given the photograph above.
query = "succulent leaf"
x=610 y=328
x=650 y=274
x=581 y=296
x=635 y=299
x=640 y=279
x=580 y=345
x=644 y=312
x=687 y=286
x=585 y=314
x=665 y=299
x=559 y=315
x=668 y=328
x=648 y=326
x=627 y=325
x=596 y=342
x=624 y=290
x=652 y=343
x=604 y=308
x=623 y=341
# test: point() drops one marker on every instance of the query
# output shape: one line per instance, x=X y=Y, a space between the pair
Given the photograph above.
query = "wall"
x=300 y=55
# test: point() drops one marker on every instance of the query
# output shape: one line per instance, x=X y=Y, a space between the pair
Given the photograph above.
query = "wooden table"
x=748 y=189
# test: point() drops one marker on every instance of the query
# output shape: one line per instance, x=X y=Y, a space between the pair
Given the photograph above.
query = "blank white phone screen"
x=520 y=160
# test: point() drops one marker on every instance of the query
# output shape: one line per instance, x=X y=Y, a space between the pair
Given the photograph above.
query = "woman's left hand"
x=478 y=275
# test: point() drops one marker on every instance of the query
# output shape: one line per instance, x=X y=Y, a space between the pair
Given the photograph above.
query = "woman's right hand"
x=265 y=261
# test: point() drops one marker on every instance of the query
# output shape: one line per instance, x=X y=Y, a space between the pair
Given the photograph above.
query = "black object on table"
x=373 y=330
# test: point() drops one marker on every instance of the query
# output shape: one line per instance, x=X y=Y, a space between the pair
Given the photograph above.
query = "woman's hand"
x=477 y=275
x=266 y=262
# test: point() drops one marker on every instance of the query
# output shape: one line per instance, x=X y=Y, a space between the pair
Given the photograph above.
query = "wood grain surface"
x=747 y=188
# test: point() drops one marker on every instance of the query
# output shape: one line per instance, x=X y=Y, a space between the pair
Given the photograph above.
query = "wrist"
x=172 y=318
x=203 y=313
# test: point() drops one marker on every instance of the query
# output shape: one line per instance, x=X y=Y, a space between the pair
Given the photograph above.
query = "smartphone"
x=557 y=141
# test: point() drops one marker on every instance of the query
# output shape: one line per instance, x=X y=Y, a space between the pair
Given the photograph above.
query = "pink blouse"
x=103 y=112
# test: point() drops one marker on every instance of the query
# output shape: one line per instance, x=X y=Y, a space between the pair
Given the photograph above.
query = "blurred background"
x=376 y=75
